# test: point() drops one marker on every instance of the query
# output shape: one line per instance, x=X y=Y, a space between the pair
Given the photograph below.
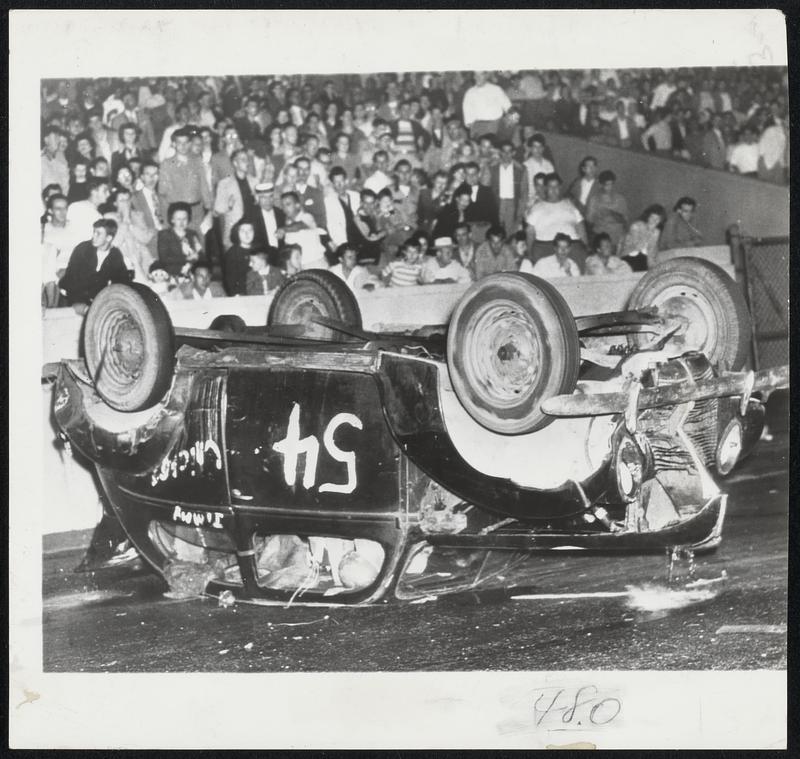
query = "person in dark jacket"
x=237 y=258
x=94 y=264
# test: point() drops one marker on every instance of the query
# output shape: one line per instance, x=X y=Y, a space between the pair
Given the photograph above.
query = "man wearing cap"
x=443 y=268
x=183 y=180
x=235 y=198
x=268 y=219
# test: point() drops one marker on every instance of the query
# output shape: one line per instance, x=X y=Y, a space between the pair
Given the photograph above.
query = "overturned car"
x=313 y=462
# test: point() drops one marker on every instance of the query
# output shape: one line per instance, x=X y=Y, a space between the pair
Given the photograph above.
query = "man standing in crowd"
x=139 y=118
x=465 y=248
x=559 y=264
x=235 y=198
x=585 y=185
x=483 y=106
x=744 y=156
x=249 y=127
x=378 y=180
x=406 y=197
x=82 y=214
x=147 y=204
x=494 y=255
x=93 y=265
x=341 y=206
x=405 y=131
x=183 y=180
x=509 y=184
x=536 y=163
x=714 y=147
x=658 y=136
x=54 y=164
x=483 y=208
x=268 y=219
x=300 y=228
x=310 y=198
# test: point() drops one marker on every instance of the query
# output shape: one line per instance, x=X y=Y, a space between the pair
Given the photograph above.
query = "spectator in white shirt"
x=744 y=155
x=443 y=268
x=82 y=214
x=662 y=92
x=559 y=264
x=300 y=228
x=379 y=179
x=771 y=151
x=658 y=136
x=354 y=276
x=58 y=233
x=484 y=105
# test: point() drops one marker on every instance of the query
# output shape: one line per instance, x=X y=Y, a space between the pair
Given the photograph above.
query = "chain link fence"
x=765 y=269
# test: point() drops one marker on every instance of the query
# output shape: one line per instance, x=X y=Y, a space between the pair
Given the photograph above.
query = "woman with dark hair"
x=78 y=184
x=641 y=243
x=178 y=246
x=123 y=179
x=344 y=158
x=456 y=177
x=432 y=200
x=607 y=210
x=83 y=149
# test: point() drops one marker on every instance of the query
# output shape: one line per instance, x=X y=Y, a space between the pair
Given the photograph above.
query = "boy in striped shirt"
x=407 y=270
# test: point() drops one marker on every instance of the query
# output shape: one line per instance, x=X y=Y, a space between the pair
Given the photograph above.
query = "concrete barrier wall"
x=759 y=208
x=382 y=310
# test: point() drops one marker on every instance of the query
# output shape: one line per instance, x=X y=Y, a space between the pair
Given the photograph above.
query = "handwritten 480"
x=581 y=707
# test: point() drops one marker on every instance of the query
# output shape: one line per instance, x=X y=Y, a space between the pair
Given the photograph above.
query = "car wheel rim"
x=692 y=313
x=504 y=354
x=122 y=351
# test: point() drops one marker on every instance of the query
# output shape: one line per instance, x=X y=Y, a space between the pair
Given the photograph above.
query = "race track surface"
x=119 y=621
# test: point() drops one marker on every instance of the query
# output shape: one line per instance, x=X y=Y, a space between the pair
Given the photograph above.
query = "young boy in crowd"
x=407 y=270
x=262 y=278
x=291 y=260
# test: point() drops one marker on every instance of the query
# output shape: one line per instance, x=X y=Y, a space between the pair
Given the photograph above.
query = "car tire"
x=511 y=344
x=128 y=344
x=315 y=292
x=704 y=302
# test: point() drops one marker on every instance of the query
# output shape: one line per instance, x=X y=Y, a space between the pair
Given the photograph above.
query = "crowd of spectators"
x=203 y=186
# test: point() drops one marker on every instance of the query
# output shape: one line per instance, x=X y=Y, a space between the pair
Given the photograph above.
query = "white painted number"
x=293 y=446
x=347 y=457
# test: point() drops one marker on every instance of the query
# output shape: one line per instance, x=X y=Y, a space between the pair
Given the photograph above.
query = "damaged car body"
x=312 y=462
